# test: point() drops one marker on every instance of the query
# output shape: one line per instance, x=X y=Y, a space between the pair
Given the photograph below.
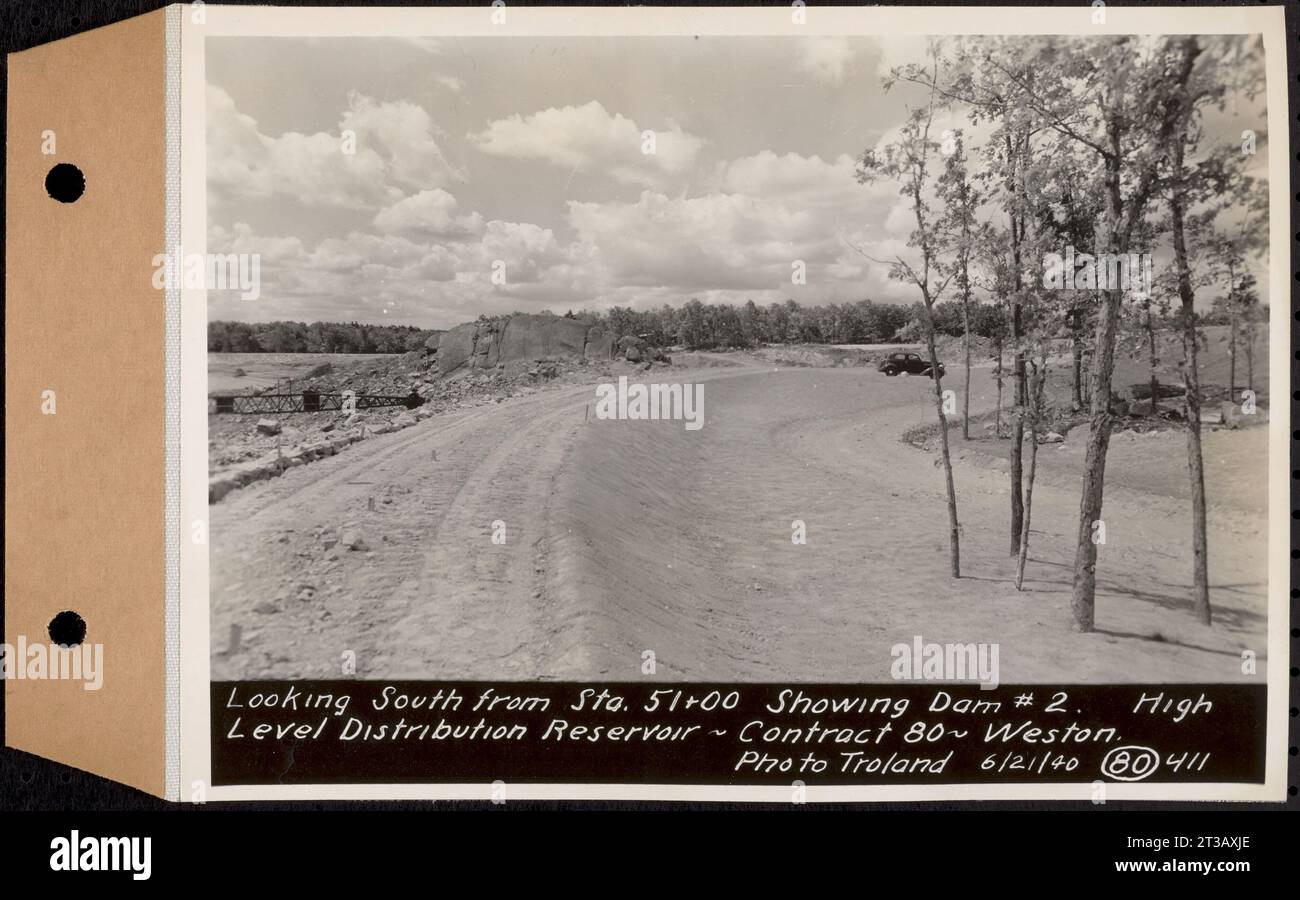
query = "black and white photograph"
x=721 y=358
x=674 y=406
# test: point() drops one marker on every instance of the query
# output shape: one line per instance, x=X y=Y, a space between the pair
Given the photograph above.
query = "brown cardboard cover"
x=84 y=487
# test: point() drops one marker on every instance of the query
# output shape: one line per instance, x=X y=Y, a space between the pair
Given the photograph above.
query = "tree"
x=1125 y=104
x=1229 y=251
x=906 y=161
x=1035 y=416
x=958 y=193
x=992 y=77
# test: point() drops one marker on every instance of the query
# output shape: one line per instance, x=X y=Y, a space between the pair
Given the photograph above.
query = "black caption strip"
x=367 y=732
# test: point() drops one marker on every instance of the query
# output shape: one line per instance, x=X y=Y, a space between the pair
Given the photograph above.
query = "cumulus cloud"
x=803 y=181
x=433 y=214
x=825 y=58
x=736 y=240
x=396 y=149
x=588 y=139
x=438 y=280
x=758 y=216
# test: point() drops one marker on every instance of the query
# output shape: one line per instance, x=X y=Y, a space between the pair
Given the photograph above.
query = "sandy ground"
x=623 y=537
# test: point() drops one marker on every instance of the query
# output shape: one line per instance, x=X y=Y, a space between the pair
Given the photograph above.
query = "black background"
x=1230 y=729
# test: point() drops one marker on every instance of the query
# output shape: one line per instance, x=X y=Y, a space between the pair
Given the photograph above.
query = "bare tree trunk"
x=965 y=412
x=1250 y=360
x=1029 y=497
x=1077 y=400
x=1094 y=466
x=1036 y=392
x=1232 y=334
x=997 y=414
x=954 y=547
x=1192 y=388
x=1084 y=594
x=1017 y=423
x=1192 y=392
x=1151 y=359
x=1018 y=359
x=1196 y=470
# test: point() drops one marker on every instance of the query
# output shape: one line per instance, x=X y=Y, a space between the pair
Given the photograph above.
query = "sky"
x=491 y=175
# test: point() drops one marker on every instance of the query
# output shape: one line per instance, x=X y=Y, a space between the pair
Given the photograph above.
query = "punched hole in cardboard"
x=67 y=629
x=65 y=183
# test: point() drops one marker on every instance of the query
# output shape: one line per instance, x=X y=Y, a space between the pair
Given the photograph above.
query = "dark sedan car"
x=911 y=363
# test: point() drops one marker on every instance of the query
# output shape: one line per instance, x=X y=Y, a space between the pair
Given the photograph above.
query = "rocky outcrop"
x=455 y=347
x=520 y=339
x=326 y=444
x=600 y=344
x=632 y=348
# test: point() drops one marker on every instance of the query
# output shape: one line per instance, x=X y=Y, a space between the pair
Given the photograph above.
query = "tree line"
x=694 y=325
x=318 y=337
x=710 y=326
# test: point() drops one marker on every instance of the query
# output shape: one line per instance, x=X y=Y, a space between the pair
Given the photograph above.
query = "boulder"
x=354 y=541
x=632 y=347
x=268 y=426
x=600 y=345
x=520 y=338
x=532 y=336
x=455 y=347
x=1232 y=416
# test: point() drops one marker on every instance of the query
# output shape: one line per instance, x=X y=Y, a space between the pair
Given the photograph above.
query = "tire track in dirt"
x=432 y=596
x=624 y=537
x=686 y=541
x=264 y=538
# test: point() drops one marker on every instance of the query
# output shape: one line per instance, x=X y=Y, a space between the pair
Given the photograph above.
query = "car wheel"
x=890 y=371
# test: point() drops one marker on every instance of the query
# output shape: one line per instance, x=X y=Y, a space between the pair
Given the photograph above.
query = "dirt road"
x=623 y=538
